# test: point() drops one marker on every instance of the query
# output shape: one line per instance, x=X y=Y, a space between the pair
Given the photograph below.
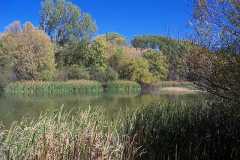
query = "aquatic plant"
x=36 y=88
x=123 y=87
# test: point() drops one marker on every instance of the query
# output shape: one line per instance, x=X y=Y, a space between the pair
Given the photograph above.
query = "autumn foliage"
x=31 y=50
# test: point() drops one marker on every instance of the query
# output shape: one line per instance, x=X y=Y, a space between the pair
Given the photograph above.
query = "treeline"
x=65 y=47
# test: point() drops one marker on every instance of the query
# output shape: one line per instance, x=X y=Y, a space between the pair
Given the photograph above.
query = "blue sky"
x=127 y=17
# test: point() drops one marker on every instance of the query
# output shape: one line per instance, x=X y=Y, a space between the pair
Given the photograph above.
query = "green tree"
x=113 y=43
x=97 y=56
x=32 y=51
x=158 y=64
x=113 y=39
x=173 y=49
x=64 y=22
x=82 y=53
x=138 y=70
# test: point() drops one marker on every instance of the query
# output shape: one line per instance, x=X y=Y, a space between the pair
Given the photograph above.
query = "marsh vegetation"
x=69 y=94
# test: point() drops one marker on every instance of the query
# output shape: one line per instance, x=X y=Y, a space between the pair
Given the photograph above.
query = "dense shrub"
x=77 y=72
x=73 y=72
x=61 y=74
x=6 y=68
x=111 y=74
x=103 y=75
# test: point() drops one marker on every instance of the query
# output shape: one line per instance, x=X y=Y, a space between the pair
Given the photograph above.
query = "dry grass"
x=177 y=90
x=60 y=136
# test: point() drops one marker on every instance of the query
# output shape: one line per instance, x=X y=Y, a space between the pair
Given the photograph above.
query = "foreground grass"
x=171 y=131
x=189 y=132
x=59 y=136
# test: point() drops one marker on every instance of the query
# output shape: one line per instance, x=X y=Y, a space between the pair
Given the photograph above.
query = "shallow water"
x=16 y=108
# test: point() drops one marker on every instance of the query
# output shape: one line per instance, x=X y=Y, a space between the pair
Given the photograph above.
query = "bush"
x=61 y=75
x=111 y=75
x=6 y=68
x=104 y=75
x=76 y=72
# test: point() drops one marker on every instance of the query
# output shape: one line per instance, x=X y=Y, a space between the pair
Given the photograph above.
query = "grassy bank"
x=86 y=87
x=170 y=86
x=123 y=87
x=159 y=131
x=37 y=88
x=180 y=84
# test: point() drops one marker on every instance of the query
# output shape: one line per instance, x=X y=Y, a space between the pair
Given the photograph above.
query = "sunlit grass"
x=63 y=135
x=168 y=130
x=35 y=88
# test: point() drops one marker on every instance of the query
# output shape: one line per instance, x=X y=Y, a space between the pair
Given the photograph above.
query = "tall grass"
x=123 y=87
x=166 y=131
x=181 y=131
x=36 y=88
x=61 y=136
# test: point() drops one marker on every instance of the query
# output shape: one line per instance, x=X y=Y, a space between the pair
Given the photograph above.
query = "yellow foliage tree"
x=32 y=50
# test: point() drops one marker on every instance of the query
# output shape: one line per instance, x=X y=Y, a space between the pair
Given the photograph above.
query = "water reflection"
x=15 y=108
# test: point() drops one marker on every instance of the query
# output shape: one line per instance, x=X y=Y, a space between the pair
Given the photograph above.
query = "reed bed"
x=181 y=131
x=39 y=88
x=166 y=131
x=123 y=87
x=60 y=136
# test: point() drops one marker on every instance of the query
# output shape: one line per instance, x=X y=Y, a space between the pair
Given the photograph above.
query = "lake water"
x=15 y=108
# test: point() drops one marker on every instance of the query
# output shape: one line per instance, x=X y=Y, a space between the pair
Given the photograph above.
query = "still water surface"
x=16 y=108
